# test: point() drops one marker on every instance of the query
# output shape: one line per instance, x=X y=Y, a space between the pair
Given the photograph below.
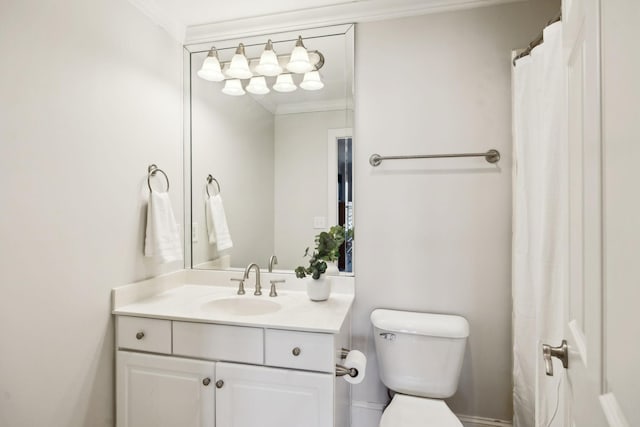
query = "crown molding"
x=359 y=11
x=158 y=16
x=314 y=106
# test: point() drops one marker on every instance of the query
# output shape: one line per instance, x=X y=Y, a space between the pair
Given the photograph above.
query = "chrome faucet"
x=246 y=276
x=272 y=261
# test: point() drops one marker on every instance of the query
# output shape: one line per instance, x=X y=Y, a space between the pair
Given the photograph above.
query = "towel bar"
x=152 y=169
x=491 y=156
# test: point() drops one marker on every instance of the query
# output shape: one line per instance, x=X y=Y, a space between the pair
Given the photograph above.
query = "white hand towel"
x=162 y=239
x=211 y=230
x=217 y=227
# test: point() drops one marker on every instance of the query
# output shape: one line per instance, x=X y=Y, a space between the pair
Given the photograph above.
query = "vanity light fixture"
x=312 y=81
x=233 y=87
x=210 y=69
x=269 y=65
x=239 y=66
x=299 y=62
x=261 y=70
x=258 y=86
x=284 y=83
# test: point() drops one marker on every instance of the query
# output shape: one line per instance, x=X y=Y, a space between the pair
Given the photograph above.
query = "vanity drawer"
x=219 y=342
x=139 y=333
x=299 y=350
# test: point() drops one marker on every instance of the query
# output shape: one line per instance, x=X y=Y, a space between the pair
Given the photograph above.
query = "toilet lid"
x=411 y=411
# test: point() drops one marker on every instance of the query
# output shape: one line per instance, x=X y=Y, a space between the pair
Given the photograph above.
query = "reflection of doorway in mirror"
x=340 y=190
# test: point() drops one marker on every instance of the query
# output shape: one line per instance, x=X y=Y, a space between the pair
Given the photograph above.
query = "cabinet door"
x=163 y=391
x=268 y=397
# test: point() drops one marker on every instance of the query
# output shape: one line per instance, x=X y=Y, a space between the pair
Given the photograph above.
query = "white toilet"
x=419 y=357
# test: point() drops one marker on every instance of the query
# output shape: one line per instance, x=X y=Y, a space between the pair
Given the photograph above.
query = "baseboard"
x=469 y=421
x=366 y=414
x=373 y=406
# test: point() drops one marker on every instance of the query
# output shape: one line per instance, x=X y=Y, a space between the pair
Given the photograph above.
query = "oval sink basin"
x=243 y=306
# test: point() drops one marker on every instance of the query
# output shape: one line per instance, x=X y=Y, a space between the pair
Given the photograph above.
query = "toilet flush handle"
x=388 y=336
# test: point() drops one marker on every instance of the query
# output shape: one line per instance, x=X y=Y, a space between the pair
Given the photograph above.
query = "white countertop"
x=182 y=296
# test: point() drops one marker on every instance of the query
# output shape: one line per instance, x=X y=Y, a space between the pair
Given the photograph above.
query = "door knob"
x=561 y=353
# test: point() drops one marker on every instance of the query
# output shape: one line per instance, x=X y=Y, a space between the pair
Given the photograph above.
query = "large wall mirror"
x=279 y=164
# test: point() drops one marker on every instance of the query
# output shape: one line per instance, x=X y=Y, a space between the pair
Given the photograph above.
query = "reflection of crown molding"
x=314 y=106
x=358 y=11
x=266 y=103
x=158 y=16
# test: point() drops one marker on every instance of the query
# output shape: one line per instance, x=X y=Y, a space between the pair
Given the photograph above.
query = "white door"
x=251 y=396
x=586 y=321
x=163 y=391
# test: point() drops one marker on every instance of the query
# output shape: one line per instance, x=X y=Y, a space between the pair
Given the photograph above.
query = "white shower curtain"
x=540 y=227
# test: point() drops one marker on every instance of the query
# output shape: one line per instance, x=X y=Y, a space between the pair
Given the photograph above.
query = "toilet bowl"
x=420 y=358
x=411 y=411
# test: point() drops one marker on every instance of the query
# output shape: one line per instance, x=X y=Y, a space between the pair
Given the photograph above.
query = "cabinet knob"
x=296 y=351
x=206 y=381
x=140 y=335
x=219 y=383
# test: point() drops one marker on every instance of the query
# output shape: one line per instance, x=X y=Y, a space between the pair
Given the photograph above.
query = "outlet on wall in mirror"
x=269 y=169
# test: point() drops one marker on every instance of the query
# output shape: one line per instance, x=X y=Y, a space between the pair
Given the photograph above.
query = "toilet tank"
x=419 y=354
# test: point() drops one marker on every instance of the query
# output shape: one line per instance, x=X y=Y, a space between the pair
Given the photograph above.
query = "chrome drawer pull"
x=296 y=351
x=219 y=383
x=206 y=381
x=140 y=335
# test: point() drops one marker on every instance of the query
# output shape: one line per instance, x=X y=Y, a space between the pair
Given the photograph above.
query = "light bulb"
x=210 y=69
x=284 y=83
x=258 y=86
x=312 y=81
x=233 y=88
x=269 y=65
x=239 y=66
x=299 y=60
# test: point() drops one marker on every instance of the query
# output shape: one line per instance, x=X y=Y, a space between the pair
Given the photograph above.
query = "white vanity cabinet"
x=192 y=374
x=253 y=396
x=164 y=391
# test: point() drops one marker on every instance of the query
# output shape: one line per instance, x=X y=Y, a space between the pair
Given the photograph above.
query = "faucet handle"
x=273 y=292
x=240 y=286
x=272 y=261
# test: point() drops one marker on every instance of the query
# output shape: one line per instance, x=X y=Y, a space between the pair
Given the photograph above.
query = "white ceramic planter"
x=319 y=290
x=332 y=269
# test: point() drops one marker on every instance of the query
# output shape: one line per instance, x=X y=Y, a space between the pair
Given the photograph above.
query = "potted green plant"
x=327 y=250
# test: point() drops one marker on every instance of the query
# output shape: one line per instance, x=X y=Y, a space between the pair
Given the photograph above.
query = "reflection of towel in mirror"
x=162 y=239
x=217 y=227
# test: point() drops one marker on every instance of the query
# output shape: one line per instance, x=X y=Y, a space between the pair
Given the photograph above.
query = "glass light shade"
x=210 y=69
x=239 y=66
x=258 y=86
x=299 y=61
x=312 y=81
x=284 y=83
x=269 y=65
x=233 y=88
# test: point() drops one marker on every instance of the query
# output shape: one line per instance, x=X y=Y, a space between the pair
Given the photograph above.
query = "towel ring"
x=211 y=179
x=152 y=172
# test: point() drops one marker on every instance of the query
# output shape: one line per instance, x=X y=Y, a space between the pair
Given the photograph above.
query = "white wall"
x=620 y=136
x=232 y=139
x=301 y=177
x=90 y=95
x=435 y=235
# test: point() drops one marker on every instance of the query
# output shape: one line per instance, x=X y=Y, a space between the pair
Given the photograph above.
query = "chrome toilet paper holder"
x=341 y=370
